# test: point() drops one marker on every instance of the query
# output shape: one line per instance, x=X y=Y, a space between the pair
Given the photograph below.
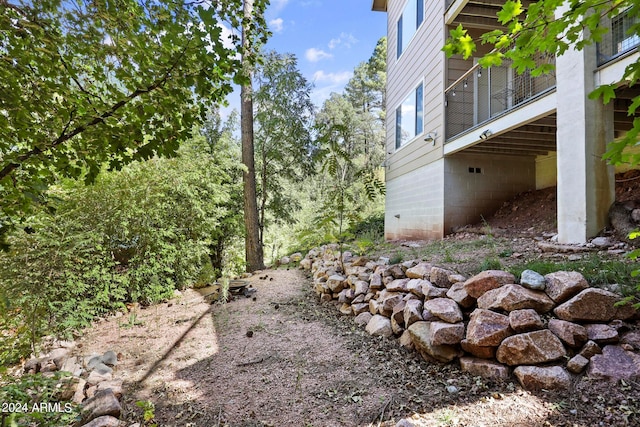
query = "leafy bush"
x=371 y=227
x=135 y=235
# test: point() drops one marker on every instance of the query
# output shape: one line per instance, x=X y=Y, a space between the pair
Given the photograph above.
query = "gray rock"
x=445 y=309
x=515 y=297
x=104 y=402
x=525 y=320
x=547 y=378
x=379 y=326
x=59 y=356
x=533 y=280
x=572 y=334
x=388 y=301
x=482 y=282
x=563 y=285
x=602 y=242
x=484 y=368
x=615 y=363
x=96 y=377
x=530 y=348
x=487 y=328
x=594 y=305
x=359 y=308
x=361 y=287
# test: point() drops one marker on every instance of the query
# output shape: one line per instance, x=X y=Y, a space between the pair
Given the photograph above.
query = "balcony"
x=618 y=41
x=481 y=95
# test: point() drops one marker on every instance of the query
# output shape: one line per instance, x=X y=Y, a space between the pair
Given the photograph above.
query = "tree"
x=550 y=28
x=253 y=245
x=284 y=114
x=84 y=84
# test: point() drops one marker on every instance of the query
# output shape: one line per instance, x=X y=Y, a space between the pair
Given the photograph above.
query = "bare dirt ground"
x=284 y=359
x=287 y=360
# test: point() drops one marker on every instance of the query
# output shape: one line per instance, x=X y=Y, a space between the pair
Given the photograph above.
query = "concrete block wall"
x=417 y=198
x=476 y=186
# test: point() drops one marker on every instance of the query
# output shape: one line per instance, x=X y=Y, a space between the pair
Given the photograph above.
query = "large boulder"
x=562 y=285
x=530 y=348
x=539 y=378
x=594 y=305
x=482 y=282
x=615 y=363
x=515 y=297
x=572 y=334
x=421 y=337
x=444 y=309
x=487 y=328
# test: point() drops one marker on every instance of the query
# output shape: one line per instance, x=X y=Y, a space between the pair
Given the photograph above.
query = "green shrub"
x=135 y=235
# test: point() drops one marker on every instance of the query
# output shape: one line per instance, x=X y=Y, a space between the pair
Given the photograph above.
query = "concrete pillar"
x=585 y=182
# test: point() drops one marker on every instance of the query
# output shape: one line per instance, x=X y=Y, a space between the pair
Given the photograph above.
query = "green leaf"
x=510 y=10
x=606 y=92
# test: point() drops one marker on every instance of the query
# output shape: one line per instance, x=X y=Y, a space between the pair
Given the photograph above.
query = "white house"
x=461 y=140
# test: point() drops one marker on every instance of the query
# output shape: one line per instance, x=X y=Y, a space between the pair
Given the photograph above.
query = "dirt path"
x=285 y=360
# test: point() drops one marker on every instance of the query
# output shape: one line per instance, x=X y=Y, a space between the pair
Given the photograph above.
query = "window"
x=409 y=21
x=621 y=27
x=409 y=117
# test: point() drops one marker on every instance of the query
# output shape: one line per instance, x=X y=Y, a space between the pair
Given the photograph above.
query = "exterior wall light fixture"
x=431 y=137
x=486 y=134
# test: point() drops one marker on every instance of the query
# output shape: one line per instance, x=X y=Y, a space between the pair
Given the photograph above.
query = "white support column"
x=585 y=126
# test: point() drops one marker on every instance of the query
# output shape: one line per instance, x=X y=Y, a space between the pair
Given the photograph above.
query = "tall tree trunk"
x=253 y=247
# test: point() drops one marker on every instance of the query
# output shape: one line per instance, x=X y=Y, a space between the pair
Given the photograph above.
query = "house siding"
x=422 y=61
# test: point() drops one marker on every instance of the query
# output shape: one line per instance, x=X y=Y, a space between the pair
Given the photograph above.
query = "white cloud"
x=332 y=78
x=276 y=25
x=346 y=40
x=315 y=55
x=278 y=5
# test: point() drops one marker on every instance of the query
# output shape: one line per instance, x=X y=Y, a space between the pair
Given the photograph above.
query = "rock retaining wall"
x=542 y=329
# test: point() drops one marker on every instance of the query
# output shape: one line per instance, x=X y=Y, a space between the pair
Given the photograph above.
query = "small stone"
x=451 y=389
x=577 y=364
x=104 y=421
x=440 y=277
x=363 y=318
x=379 y=326
x=533 y=280
x=478 y=351
x=459 y=295
x=104 y=402
x=484 y=368
x=590 y=349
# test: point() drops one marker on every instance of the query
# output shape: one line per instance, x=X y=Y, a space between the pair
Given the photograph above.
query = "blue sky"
x=329 y=38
